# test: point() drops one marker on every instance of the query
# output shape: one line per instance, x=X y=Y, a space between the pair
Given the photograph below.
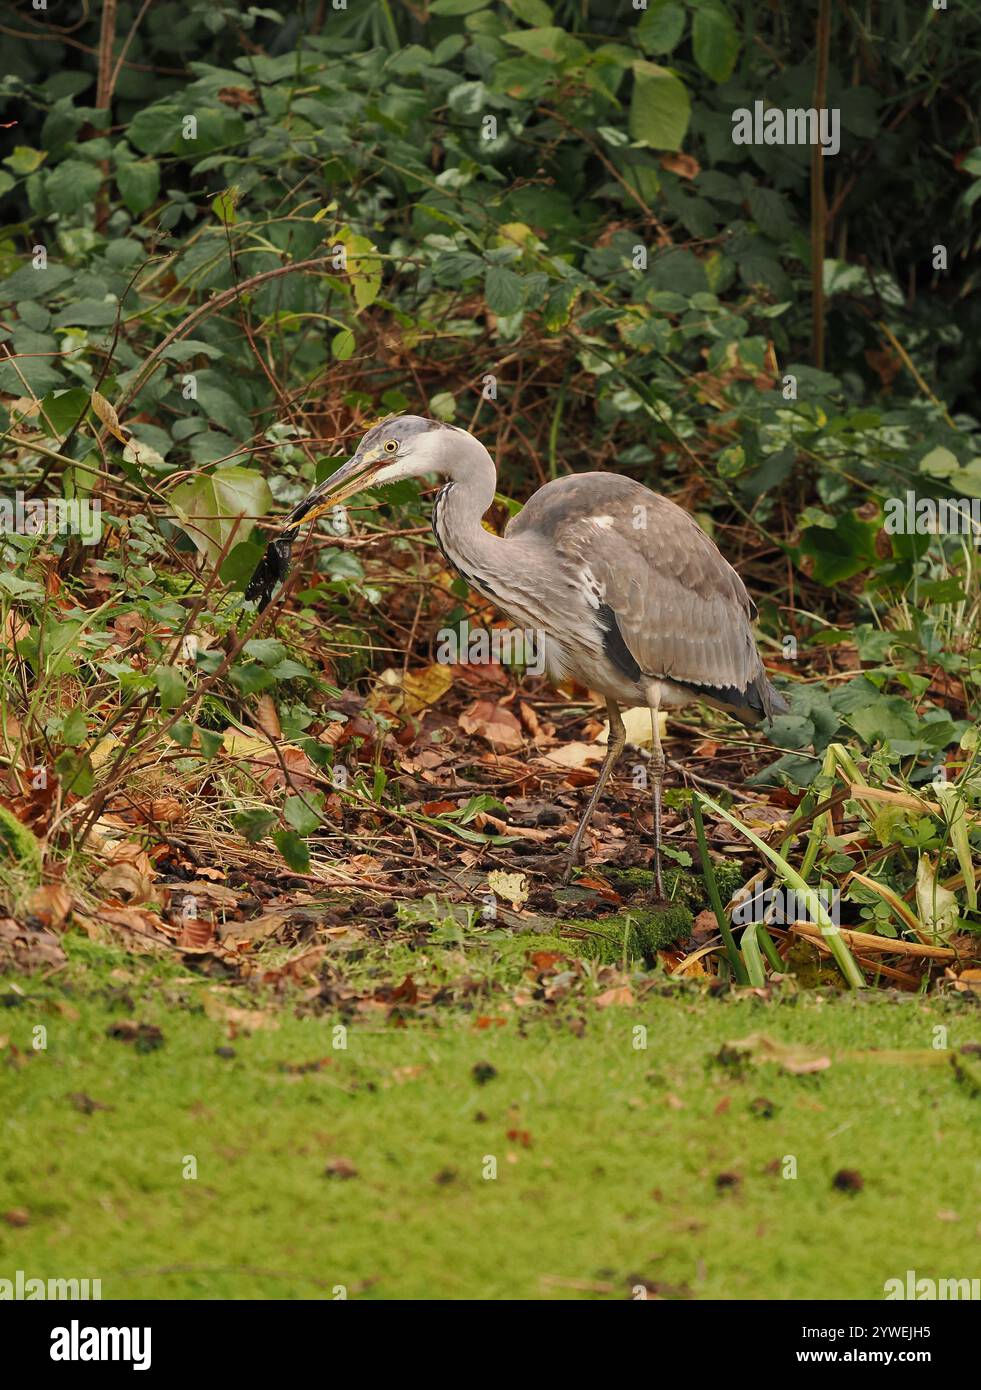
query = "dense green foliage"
x=288 y=957
x=531 y=219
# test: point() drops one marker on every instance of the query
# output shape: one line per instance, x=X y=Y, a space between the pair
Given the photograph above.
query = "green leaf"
x=75 y=773
x=87 y=313
x=182 y=733
x=293 y=850
x=208 y=507
x=217 y=128
x=888 y=717
x=503 y=290
x=660 y=108
x=939 y=463
x=466 y=99
x=715 y=41
x=154 y=129
x=342 y=345
x=769 y=209
x=752 y=956
x=548 y=45
x=25 y=160
x=224 y=206
x=289 y=670
x=558 y=306
x=30 y=282
x=443 y=405
x=954 y=803
x=530 y=11
x=303 y=813
x=847 y=548
x=240 y=563
x=251 y=678
x=73 y=186
x=661 y=26
x=139 y=184
x=457 y=7
x=254 y=825
x=172 y=687
x=210 y=742
x=268 y=650
x=222 y=407
x=74 y=728
x=61 y=410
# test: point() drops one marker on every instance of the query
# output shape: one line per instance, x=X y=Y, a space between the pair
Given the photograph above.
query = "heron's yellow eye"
x=390 y=446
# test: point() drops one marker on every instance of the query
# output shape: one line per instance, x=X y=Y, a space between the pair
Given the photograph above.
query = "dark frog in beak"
x=400 y=446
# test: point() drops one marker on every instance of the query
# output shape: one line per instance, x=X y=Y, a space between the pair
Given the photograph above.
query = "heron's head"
x=401 y=446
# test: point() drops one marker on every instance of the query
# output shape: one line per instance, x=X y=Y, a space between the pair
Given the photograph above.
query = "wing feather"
x=683 y=612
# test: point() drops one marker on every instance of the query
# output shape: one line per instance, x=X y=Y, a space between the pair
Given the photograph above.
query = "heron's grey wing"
x=681 y=609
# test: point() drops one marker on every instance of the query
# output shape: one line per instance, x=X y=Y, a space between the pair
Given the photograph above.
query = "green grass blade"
x=752 y=956
x=830 y=933
x=708 y=872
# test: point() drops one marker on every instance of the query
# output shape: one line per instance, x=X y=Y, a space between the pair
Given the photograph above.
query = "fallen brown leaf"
x=619 y=994
x=26 y=949
x=759 y=1048
x=50 y=904
x=266 y=717
x=684 y=165
x=124 y=883
x=493 y=722
x=340 y=1168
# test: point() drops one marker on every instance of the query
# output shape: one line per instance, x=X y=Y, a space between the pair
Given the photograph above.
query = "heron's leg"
x=618 y=738
x=657 y=779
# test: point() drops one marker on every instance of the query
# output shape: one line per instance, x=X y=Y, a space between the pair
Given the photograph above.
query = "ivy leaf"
x=208 y=507
x=62 y=410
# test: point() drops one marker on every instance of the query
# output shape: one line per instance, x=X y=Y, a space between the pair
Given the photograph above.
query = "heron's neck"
x=484 y=560
x=460 y=504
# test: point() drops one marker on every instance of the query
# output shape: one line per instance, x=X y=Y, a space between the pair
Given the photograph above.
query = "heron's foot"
x=658 y=878
x=571 y=863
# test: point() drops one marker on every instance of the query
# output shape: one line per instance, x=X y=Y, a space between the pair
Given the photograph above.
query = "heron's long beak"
x=353 y=476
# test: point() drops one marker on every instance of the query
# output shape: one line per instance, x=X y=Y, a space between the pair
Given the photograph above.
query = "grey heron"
x=627 y=593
